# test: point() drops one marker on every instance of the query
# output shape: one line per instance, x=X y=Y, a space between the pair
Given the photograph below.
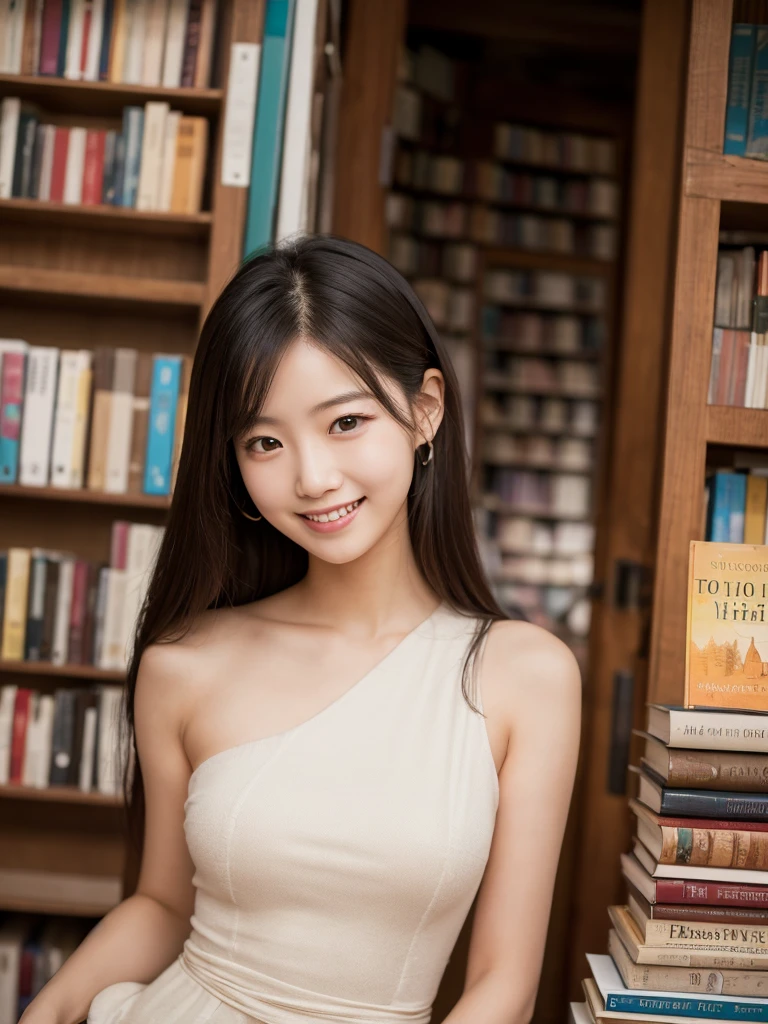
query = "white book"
x=7 y=707
x=93 y=53
x=143 y=546
x=11 y=35
x=292 y=204
x=108 y=742
x=82 y=411
x=152 y=62
x=168 y=166
x=9 y=128
x=136 y=23
x=46 y=162
x=88 y=754
x=120 y=427
x=73 y=174
x=60 y=642
x=761 y=379
x=175 y=33
x=37 y=747
x=37 y=420
x=152 y=145
x=74 y=39
x=64 y=419
x=112 y=654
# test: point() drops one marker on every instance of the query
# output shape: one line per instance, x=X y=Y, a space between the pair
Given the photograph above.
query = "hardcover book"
x=726 y=656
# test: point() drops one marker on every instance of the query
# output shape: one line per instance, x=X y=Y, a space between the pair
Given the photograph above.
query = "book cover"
x=162 y=419
x=739 y=86
x=726 y=662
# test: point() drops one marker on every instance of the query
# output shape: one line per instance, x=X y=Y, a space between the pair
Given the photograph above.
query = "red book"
x=87 y=19
x=673 y=890
x=191 y=43
x=19 y=733
x=712 y=823
x=93 y=169
x=78 y=611
x=50 y=36
x=59 y=168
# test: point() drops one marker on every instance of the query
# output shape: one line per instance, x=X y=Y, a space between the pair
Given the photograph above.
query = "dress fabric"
x=336 y=862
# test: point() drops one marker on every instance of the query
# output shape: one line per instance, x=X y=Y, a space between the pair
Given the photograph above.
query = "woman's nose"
x=316 y=471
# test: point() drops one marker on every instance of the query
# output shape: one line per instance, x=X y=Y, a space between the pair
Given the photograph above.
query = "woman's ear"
x=430 y=405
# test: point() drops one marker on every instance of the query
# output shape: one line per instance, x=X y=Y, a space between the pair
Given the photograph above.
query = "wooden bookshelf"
x=81 y=276
x=711 y=182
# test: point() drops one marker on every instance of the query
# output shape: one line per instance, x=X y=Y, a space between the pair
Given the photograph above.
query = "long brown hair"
x=355 y=305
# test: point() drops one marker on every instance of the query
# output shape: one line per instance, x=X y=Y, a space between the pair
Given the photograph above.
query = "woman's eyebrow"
x=346 y=396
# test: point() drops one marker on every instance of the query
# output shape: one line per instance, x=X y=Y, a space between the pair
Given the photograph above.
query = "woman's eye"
x=270 y=444
x=348 y=423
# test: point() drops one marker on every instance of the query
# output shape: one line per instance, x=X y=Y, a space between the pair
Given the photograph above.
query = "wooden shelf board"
x=508 y=386
x=108 y=287
x=710 y=175
x=48 y=907
x=493 y=504
x=568 y=263
x=733 y=425
x=82 y=494
x=106 y=218
x=62 y=94
x=578 y=309
x=59 y=794
x=70 y=670
x=508 y=345
x=538 y=467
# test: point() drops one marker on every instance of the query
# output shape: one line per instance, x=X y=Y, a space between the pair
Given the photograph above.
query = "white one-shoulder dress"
x=336 y=862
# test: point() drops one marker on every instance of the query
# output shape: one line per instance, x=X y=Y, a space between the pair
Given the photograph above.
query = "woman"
x=323 y=797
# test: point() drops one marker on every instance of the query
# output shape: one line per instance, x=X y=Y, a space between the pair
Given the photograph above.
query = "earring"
x=429 y=457
x=254 y=519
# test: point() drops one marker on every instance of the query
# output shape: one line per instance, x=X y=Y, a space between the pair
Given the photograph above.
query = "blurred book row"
x=736 y=505
x=530 y=414
x=162 y=42
x=66 y=738
x=32 y=949
x=550 y=333
x=565 y=377
x=107 y=419
x=546 y=288
x=155 y=161
x=66 y=610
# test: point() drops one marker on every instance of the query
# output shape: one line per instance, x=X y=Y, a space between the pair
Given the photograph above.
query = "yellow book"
x=754 y=514
x=16 y=596
x=726 y=650
x=117 y=43
x=189 y=167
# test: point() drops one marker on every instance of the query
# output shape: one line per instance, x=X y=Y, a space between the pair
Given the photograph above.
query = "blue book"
x=133 y=130
x=719 y=511
x=722 y=804
x=268 y=127
x=106 y=39
x=61 y=60
x=163 y=399
x=739 y=88
x=115 y=188
x=757 y=135
x=617 y=997
x=738 y=505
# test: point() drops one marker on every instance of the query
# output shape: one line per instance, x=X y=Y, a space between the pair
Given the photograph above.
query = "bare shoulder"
x=529 y=672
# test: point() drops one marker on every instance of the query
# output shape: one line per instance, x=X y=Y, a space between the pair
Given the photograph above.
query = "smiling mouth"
x=338 y=513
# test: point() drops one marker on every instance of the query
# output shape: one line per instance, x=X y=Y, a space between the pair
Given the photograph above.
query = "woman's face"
x=320 y=443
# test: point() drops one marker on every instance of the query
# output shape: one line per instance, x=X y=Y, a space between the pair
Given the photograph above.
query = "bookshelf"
x=718 y=192
x=86 y=276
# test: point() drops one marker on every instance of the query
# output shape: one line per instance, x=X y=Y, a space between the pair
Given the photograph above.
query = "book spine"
x=704 y=804
x=106 y=39
x=50 y=33
x=133 y=127
x=34 y=631
x=757 y=135
x=61 y=54
x=16 y=600
x=739 y=86
x=717 y=770
x=10 y=113
x=738 y=505
x=191 y=43
x=93 y=169
x=699 y=933
x=162 y=416
x=39 y=399
x=717 y=848
x=677 y=1005
x=12 y=370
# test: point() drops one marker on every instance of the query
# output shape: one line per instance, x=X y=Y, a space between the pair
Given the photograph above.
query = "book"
x=739 y=88
x=704 y=769
x=693 y=841
x=616 y=996
x=709 y=728
x=693 y=872
x=757 y=133
x=698 y=803
x=727 y=626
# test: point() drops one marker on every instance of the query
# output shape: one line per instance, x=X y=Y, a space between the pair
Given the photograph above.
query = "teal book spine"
x=739 y=88
x=163 y=400
x=738 y=507
x=757 y=137
x=720 y=508
x=268 y=127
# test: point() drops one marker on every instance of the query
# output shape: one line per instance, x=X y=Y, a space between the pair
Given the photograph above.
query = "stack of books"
x=692 y=938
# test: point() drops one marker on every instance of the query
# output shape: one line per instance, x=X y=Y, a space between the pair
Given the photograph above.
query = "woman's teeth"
x=339 y=513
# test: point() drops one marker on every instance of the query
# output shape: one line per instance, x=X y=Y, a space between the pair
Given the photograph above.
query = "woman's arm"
x=145 y=933
x=536 y=683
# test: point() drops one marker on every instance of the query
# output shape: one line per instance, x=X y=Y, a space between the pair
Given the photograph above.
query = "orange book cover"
x=726 y=651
